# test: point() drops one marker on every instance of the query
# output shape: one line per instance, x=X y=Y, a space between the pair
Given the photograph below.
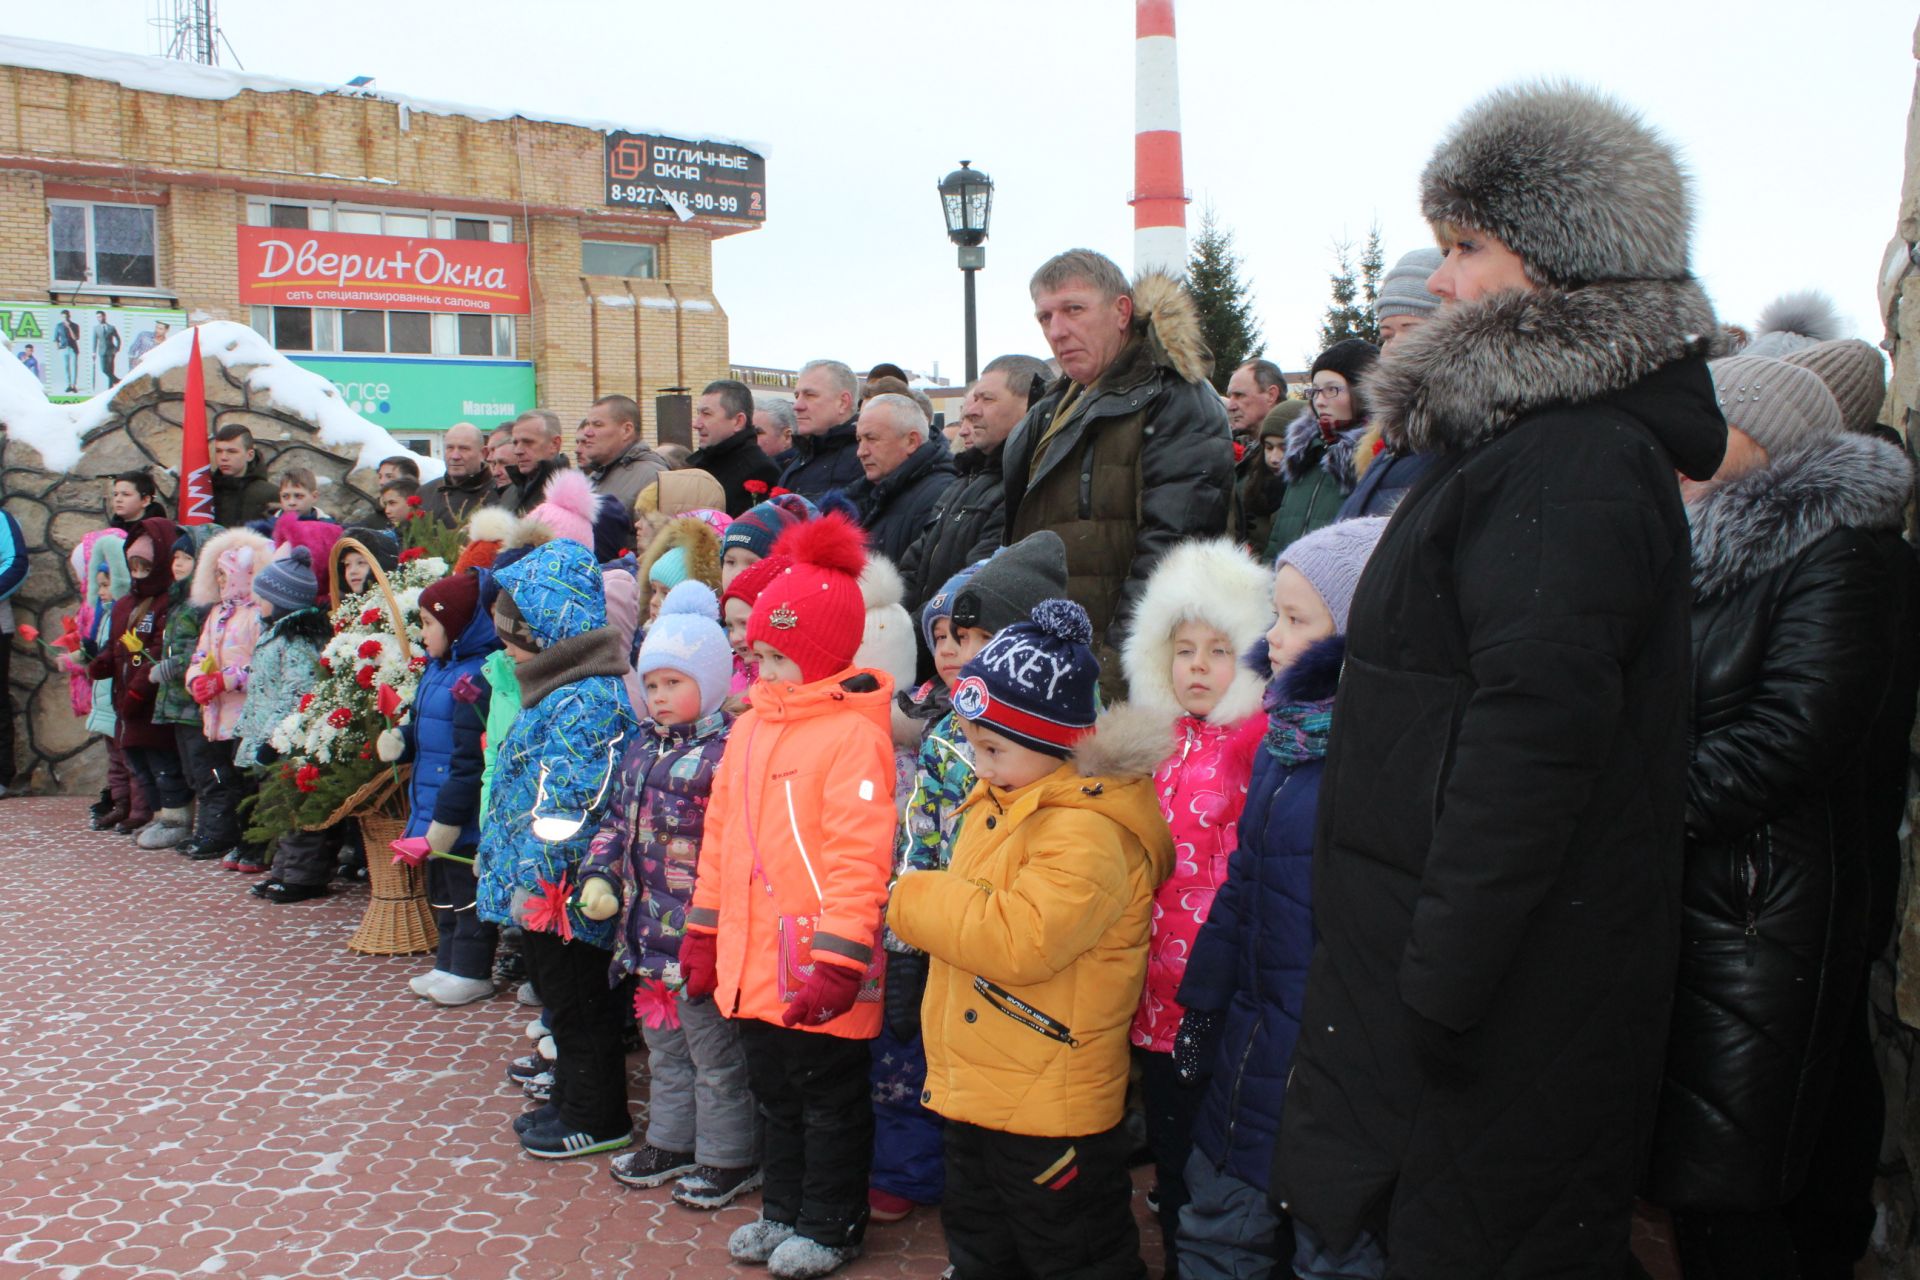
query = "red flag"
x=196 y=478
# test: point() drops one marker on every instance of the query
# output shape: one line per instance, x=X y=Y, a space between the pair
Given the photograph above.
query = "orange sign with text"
x=281 y=267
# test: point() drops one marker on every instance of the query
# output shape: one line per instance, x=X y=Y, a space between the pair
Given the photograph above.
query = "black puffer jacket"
x=823 y=463
x=1144 y=461
x=964 y=526
x=247 y=496
x=1793 y=635
x=1497 y=866
x=894 y=508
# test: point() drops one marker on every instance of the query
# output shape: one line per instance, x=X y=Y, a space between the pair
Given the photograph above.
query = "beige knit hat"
x=1856 y=373
x=1781 y=406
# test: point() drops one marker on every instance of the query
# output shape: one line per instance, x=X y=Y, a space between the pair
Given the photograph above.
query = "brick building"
x=129 y=187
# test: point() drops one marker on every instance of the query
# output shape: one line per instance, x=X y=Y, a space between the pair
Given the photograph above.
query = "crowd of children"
x=887 y=945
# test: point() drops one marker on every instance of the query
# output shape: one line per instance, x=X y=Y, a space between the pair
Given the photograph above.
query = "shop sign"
x=281 y=267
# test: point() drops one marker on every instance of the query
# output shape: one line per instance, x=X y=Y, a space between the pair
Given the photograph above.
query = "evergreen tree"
x=1225 y=301
x=1351 y=315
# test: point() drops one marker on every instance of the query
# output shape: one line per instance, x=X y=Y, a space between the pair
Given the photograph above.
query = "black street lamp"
x=966 y=197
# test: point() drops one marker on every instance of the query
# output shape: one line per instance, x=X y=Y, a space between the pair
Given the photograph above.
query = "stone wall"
x=56 y=509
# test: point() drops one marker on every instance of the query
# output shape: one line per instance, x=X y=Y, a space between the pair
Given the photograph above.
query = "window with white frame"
x=102 y=247
x=374 y=220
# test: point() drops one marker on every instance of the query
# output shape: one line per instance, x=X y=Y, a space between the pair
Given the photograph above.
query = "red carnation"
x=755 y=487
x=1379 y=446
x=306 y=700
x=781 y=492
x=326 y=665
x=364 y=677
x=413 y=499
x=369 y=649
x=412 y=553
x=366 y=753
x=370 y=617
x=1239 y=451
x=417 y=663
x=339 y=717
x=306 y=776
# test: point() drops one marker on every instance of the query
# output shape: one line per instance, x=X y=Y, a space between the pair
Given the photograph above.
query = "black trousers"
x=813 y=1095
x=1025 y=1208
x=221 y=791
x=158 y=771
x=590 y=1075
x=1170 y=1109
x=466 y=941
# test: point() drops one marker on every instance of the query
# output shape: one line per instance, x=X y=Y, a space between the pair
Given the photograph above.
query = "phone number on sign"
x=696 y=200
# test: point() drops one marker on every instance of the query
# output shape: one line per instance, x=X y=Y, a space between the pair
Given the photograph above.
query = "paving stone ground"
x=202 y=1083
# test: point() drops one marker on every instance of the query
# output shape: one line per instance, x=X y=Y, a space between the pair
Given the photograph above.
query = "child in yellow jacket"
x=1038 y=936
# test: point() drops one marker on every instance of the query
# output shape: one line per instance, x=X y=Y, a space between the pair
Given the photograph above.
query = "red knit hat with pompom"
x=811 y=609
x=751 y=581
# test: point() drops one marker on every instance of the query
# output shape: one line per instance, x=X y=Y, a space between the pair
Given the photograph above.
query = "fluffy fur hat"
x=690 y=541
x=1570 y=179
x=487 y=532
x=250 y=553
x=1793 y=322
x=886 y=641
x=1213 y=582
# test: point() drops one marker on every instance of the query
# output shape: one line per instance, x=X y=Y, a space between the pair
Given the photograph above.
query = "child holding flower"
x=701 y=1126
x=442 y=738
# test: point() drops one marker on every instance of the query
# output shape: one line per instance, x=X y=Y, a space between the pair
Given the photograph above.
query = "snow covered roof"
x=55 y=430
x=194 y=80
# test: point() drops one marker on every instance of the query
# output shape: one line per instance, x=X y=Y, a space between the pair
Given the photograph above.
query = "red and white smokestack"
x=1159 y=182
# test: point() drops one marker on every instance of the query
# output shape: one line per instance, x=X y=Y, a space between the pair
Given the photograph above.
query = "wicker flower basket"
x=398 y=921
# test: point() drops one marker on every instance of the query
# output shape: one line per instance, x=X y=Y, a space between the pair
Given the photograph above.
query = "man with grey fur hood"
x=1129 y=452
x=1496 y=867
x=1770 y=1119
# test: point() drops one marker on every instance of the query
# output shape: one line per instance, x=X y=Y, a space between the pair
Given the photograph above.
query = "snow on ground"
x=55 y=430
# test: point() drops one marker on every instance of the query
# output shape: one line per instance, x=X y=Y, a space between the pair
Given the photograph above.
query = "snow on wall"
x=55 y=430
x=193 y=80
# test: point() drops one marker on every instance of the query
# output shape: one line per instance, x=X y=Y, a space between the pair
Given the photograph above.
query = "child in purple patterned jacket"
x=702 y=1126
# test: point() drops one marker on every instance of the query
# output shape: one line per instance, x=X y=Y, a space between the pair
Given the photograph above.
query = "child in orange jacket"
x=784 y=930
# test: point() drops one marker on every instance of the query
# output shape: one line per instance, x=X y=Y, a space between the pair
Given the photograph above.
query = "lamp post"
x=966 y=197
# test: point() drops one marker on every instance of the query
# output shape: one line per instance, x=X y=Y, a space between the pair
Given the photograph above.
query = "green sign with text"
x=428 y=395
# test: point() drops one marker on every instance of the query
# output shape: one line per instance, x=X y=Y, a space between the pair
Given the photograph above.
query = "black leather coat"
x=1796 y=604
x=964 y=526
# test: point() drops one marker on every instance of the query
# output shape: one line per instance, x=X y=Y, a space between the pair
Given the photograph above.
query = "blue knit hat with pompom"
x=1034 y=682
x=687 y=638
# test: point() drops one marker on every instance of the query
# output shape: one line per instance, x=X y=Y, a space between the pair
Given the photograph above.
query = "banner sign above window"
x=691 y=180
x=293 y=268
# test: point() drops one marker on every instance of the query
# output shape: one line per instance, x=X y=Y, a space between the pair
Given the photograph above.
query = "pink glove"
x=207 y=687
x=699 y=964
x=410 y=852
x=830 y=991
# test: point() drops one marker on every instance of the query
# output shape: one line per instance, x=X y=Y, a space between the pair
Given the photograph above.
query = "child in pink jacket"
x=223 y=585
x=1205 y=606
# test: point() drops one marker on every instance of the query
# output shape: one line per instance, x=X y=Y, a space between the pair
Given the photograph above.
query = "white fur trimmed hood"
x=1211 y=581
x=205 y=590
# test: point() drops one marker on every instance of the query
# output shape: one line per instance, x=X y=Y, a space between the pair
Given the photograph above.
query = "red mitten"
x=830 y=991
x=207 y=687
x=699 y=964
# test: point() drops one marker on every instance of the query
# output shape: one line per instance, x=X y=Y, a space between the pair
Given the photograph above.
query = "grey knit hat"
x=1403 y=290
x=1006 y=588
x=1331 y=559
x=1780 y=405
x=288 y=584
x=1856 y=373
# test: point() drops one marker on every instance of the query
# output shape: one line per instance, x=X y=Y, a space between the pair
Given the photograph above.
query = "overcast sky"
x=1305 y=123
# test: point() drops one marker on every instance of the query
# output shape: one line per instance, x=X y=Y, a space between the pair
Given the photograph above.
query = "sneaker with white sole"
x=709 y=1187
x=539 y=1088
x=554 y=1140
x=523 y=994
x=800 y=1258
x=651 y=1166
x=422 y=985
x=758 y=1240
x=451 y=990
x=521 y=1070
